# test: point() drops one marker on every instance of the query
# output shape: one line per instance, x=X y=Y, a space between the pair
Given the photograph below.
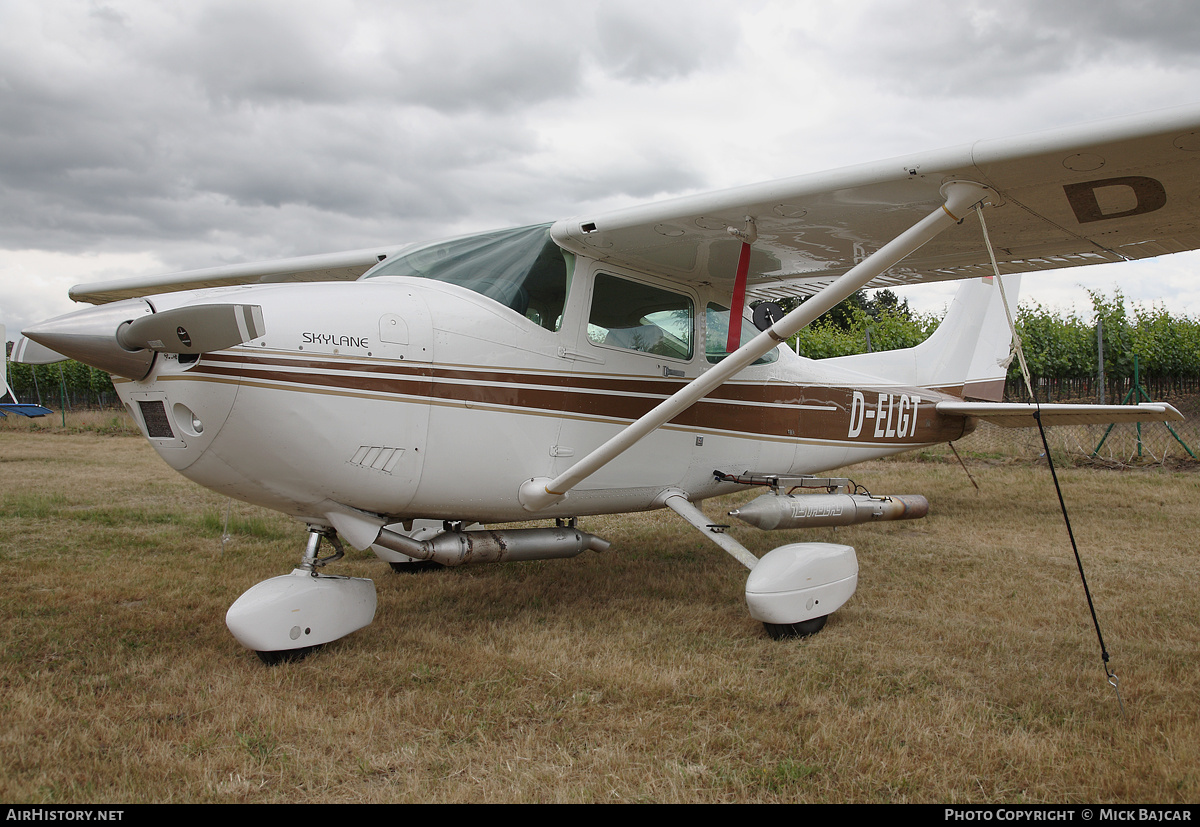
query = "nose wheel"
x=787 y=631
x=286 y=655
x=287 y=617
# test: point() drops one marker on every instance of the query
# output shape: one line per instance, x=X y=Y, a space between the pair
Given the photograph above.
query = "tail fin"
x=4 y=391
x=968 y=353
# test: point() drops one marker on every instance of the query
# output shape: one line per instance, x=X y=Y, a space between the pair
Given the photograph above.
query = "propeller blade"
x=199 y=328
x=28 y=352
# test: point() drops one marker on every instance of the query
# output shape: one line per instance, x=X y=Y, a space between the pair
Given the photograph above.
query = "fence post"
x=1137 y=383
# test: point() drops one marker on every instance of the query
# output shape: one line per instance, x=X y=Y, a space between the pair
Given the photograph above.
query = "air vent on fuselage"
x=377 y=458
x=154 y=414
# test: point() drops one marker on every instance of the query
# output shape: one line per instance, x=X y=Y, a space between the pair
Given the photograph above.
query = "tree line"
x=74 y=383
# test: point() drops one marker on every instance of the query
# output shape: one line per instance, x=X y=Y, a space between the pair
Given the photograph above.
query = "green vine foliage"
x=85 y=387
x=888 y=329
x=1058 y=345
x=880 y=322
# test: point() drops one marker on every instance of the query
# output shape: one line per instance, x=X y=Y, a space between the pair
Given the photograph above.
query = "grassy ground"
x=965 y=669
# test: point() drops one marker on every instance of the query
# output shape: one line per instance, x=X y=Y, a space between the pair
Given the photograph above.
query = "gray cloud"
x=453 y=57
x=975 y=48
x=643 y=48
x=143 y=121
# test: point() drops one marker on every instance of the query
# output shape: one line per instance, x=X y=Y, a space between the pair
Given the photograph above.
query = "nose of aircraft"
x=123 y=337
x=90 y=336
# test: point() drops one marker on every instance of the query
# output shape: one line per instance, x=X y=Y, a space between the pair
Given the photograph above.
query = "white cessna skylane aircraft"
x=399 y=397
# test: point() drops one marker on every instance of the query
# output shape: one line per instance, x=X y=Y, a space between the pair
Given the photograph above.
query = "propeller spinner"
x=122 y=337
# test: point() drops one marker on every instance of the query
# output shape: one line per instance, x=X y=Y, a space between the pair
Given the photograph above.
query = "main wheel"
x=416 y=567
x=804 y=628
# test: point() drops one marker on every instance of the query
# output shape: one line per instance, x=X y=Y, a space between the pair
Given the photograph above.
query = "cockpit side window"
x=522 y=269
x=716 y=335
x=634 y=316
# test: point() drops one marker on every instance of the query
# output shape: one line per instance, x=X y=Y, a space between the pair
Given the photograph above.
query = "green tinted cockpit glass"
x=635 y=316
x=716 y=335
x=521 y=268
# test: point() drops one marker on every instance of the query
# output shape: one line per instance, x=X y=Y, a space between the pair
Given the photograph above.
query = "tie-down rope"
x=1112 y=677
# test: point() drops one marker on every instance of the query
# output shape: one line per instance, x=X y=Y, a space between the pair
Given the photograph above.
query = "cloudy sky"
x=148 y=137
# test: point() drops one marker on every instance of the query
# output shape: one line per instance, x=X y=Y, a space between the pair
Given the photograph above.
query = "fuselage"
x=414 y=398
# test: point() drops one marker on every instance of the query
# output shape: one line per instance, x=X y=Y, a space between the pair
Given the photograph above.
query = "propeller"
x=198 y=328
x=122 y=337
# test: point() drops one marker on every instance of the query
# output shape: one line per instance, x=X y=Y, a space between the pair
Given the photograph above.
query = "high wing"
x=346 y=266
x=1107 y=191
x=1021 y=415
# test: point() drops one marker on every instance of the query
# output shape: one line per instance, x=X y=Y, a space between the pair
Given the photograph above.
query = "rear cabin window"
x=634 y=316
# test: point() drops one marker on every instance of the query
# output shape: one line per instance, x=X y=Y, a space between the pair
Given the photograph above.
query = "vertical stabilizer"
x=967 y=355
x=4 y=390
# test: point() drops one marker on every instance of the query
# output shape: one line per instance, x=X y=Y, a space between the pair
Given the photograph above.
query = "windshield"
x=521 y=268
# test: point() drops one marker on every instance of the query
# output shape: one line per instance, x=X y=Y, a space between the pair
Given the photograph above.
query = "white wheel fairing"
x=801 y=581
x=298 y=610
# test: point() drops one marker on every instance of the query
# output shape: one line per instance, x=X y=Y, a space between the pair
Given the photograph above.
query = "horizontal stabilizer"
x=28 y=410
x=1021 y=415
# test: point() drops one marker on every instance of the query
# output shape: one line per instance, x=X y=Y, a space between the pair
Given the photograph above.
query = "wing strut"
x=678 y=502
x=542 y=492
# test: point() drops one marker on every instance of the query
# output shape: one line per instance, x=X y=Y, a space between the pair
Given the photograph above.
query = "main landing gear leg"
x=287 y=617
x=793 y=589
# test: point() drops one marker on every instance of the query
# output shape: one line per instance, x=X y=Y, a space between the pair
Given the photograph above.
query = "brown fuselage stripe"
x=779 y=410
x=618 y=384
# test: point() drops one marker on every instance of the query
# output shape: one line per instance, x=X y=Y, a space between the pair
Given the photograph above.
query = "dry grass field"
x=965 y=669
